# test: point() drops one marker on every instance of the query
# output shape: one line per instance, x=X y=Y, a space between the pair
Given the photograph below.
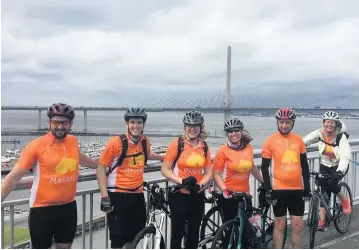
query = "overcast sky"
x=78 y=51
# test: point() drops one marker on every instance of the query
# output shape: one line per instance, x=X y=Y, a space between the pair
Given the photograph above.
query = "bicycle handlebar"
x=321 y=176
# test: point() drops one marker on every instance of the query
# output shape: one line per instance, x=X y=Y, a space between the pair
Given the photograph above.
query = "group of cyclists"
x=55 y=157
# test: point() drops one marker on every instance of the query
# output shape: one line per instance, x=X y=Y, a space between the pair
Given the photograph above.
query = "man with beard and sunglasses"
x=123 y=161
x=54 y=159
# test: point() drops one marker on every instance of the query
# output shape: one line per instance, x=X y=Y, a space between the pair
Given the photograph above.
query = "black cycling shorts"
x=333 y=186
x=291 y=200
x=127 y=218
x=52 y=222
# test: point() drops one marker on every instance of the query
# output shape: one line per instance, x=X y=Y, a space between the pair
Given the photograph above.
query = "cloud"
x=99 y=47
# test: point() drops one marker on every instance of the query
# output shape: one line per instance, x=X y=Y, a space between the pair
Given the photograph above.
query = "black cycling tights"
x=183 y=207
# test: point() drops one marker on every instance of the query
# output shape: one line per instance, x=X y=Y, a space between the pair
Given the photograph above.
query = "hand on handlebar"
x=307 y=195
x=189 y=181
x=226 y=194
x=271 y=200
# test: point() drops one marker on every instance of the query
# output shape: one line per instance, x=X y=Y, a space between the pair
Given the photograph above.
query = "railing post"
x=83 y=220
x=2 y=227
x=353 y=186
x=11 y=227
x=91 y=219
x=106 y=232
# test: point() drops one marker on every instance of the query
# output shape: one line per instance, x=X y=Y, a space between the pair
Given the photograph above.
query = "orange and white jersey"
x=286 y=167
x=130 y=174
x=55 y=168
x=192 y=160
x=329 y=150
x=235 y=167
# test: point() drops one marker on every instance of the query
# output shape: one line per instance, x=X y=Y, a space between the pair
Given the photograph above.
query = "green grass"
x=21 y=234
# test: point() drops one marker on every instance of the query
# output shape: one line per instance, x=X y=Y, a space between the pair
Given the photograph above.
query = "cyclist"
x=232 y=166
x=122 y=192
x=290 y=176
x=188 y=164
x=334 y=159
x=54 y=159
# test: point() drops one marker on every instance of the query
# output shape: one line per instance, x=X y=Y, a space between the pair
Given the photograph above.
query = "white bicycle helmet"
x=331 y=115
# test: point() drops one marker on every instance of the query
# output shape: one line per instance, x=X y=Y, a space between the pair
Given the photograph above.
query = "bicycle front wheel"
x=229 y=235
x=313 y=220
x=146 y=239
x=210 y=224
x=342 y=221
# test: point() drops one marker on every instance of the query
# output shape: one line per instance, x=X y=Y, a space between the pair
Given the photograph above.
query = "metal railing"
x=101 y=222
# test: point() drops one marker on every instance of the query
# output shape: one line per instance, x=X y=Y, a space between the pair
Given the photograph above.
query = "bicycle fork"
x=158 y=235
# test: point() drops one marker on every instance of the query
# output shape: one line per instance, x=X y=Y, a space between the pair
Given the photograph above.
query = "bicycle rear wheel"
x=210 y=224
x=313 y=219
x=229 y=235
x=146 y=239
x=342 y=221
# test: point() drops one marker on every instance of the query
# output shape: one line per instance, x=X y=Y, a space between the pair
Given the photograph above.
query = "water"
x=158 y=122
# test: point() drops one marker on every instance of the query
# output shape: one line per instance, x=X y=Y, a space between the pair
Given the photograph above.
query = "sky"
x=85 y=52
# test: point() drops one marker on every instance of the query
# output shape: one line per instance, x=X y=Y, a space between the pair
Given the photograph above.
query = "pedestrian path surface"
x=330 y=239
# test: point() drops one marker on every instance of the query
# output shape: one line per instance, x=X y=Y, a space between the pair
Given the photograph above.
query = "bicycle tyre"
x=221 y=230
x=309 y=212
x=147 y=230
x=336 y=220
x=313 y=218
x=204 y=224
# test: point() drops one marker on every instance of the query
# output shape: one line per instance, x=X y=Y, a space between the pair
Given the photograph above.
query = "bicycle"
x=334 y=210
x=209 y=226
x=152 y=234
x=261 y=236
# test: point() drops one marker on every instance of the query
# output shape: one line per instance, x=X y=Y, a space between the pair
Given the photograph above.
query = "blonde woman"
x=188 y=162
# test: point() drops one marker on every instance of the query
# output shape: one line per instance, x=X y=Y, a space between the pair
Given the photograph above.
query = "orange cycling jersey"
x=55 y=167
x=192 y=160
x=235 y=166
x=130 y=174
x=286 y=168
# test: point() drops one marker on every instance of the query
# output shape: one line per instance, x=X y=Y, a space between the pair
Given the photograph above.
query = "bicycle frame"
x=158 y=227
x=240 y=217
x=329 y=208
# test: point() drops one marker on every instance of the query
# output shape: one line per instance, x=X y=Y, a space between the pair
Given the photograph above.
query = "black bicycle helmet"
x=193 y=118
x=135 y=113
x=61 y=109
x=233 y=123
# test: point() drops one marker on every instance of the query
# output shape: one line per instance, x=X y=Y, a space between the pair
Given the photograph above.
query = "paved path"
x=330 y=239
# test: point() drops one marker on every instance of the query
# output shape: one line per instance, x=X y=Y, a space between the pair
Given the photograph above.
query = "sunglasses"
x=57 y=123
